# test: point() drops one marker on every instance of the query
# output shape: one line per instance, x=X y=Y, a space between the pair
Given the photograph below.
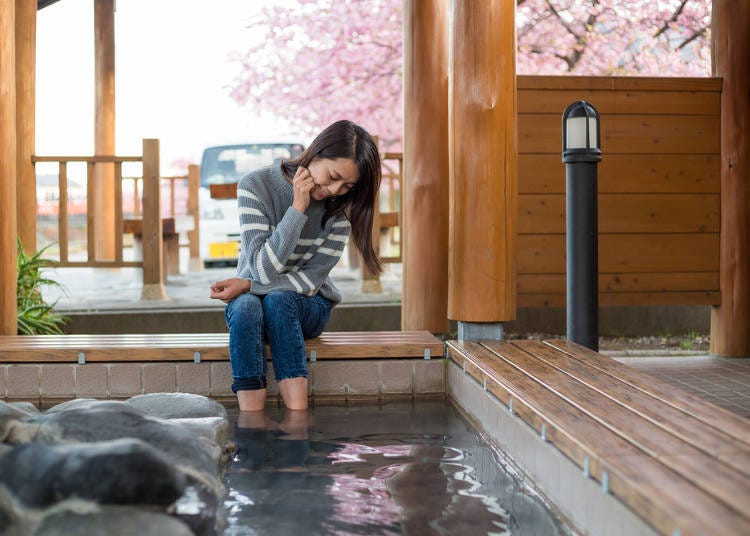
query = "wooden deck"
x=208 y=347
x=680 y=463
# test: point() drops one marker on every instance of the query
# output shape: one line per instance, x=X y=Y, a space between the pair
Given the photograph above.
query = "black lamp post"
x=581 y=154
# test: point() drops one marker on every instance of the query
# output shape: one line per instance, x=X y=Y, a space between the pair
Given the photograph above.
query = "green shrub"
x=35 y=316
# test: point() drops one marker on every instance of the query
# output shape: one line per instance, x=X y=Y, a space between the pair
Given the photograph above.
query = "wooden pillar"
x=730 y=321
x=25 y=113
x=483 y=161
x=104 y=126
x=8 y=229
x=195 y=263
x=153 y=240
x=425 y=180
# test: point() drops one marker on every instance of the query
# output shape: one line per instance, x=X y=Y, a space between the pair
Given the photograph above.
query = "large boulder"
x=88 y=403
x=89 y=424
x=19 y=410
x=123 y=471
x=177 y=405
x=112 y=522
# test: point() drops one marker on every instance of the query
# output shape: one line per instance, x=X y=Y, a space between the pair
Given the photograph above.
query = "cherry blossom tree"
x=316 y=61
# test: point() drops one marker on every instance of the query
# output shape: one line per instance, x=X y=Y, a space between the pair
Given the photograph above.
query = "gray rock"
x=111 y=522
x=124 y=471
x=90 y=424
x=215 y=429
x=177 y=405
x=79 y=403
x=14 y=431
x=17 y=410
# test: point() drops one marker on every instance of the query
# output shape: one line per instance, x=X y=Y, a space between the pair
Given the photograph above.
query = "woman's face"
x=332 y=177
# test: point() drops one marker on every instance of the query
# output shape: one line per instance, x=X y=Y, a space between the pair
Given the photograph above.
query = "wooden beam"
x=425 y=181
x=8 y=229
x=25 y=113
x=104 y=127
x=483 y=160
x=153 y=258
x=730 y=321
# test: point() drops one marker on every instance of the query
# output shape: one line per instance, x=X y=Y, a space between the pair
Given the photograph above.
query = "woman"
x=295 y=220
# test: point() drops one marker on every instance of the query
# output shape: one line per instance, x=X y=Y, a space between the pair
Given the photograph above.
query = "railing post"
x=153 y=256
x=195 y=264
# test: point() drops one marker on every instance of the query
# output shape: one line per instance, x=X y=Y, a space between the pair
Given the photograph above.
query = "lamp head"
x=581 y=134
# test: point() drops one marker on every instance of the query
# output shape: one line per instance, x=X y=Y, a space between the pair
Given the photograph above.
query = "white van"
x=219 y=219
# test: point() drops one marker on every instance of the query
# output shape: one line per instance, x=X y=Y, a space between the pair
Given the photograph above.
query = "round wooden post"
x=730 y=321
x=153 y=239
x=425 y=180
x=104 y=126
x=8 y=229
x=25 y=112
x=483 y=162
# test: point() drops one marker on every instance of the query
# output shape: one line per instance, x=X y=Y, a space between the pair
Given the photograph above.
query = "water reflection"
x=414 y=469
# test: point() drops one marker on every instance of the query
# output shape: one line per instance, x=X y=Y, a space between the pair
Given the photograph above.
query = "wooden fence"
x=658 y=189
x=150 y=262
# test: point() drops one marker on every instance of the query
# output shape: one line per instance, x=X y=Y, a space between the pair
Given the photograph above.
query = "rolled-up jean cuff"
x=290 y=375
x=248 y=384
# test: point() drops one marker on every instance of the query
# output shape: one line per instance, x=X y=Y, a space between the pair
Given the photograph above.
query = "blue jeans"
x=282 y=317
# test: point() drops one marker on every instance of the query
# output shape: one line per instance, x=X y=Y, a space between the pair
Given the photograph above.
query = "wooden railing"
x=151 y=261
x=91 y=162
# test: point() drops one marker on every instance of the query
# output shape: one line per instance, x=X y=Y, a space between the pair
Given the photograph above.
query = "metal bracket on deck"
x=196 y=357
x=81 y=358
x=510 y=406
x=586 y=471
x=484 y=383
x=313 y=356
x=605 y=482
x=544 y=432
x=427 y=353
x=464 y=366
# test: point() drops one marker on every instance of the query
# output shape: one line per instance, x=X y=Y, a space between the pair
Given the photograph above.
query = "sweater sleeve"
x=307 y=276
x=265 y=249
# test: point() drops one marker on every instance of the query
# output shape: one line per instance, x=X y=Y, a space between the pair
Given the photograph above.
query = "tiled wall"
x=334 y=379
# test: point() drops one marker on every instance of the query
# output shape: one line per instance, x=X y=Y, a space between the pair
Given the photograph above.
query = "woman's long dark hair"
x=344 y=139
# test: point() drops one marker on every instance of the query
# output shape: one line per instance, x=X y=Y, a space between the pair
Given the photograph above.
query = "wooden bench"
x=172 y=227
x=679 y=462
x=198 y=347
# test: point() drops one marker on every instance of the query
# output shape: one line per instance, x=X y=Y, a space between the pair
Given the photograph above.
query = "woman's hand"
x=303 y=184
x=228 y=289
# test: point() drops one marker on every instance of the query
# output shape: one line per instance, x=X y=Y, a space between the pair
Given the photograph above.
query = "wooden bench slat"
x=711 y=475
x=681 y=424
x=211 y=346
x=660 y=495
x=712 y=415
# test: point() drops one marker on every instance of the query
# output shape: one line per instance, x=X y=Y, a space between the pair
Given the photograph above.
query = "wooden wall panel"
x=627 y=134
x=626 y=213
x=659 y=189
x=633 y=173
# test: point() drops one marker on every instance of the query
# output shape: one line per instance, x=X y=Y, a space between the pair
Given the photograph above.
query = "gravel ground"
x=691 y=343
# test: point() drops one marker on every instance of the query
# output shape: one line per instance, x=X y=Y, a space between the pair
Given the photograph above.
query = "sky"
x=171 y=77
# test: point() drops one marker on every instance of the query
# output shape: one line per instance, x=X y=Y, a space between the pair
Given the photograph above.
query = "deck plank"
x=654 y=486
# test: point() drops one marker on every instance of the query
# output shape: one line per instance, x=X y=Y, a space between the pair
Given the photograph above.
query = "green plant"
x=35 y=315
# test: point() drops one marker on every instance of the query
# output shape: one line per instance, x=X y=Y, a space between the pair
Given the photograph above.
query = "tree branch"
x=673 y=18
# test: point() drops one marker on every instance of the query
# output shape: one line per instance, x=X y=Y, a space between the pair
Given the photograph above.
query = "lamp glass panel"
x=576 y=132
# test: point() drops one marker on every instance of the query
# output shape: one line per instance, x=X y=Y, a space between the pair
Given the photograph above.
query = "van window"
x=227 y=164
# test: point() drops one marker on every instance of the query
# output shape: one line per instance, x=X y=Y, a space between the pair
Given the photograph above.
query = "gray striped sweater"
x=281 y=248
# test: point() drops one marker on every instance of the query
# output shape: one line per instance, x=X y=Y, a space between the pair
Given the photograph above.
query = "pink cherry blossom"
x=317 y=61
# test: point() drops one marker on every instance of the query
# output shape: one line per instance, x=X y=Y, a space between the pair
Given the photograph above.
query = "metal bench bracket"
x=427 y=353
x=197 y=357
x=313 y=356
x=81 y=358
